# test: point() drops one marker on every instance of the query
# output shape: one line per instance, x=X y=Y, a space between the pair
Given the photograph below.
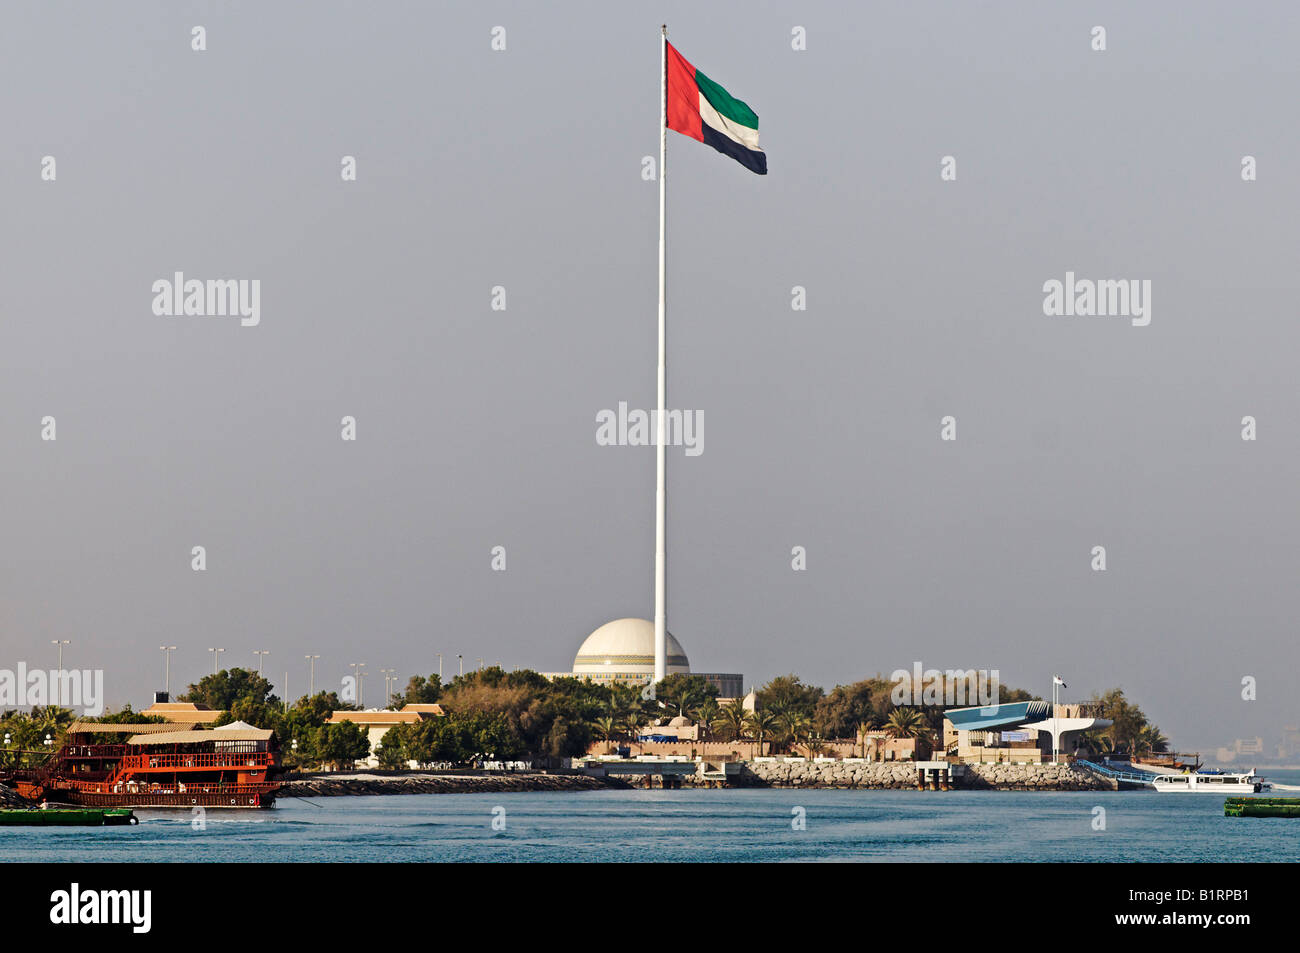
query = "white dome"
x=627 y=645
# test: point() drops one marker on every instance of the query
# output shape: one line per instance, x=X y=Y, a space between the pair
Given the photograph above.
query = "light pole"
x=311 y=684
x=60 y=643
x=439 y=666
x=215 y=654
x=167 y=650
x=1057 y=684
x=390 y=677
x=480 y=665
x=261 y=656
x=461 y=660
x=357 y=676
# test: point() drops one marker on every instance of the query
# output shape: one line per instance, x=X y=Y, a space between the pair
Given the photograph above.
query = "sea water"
x=689 y=825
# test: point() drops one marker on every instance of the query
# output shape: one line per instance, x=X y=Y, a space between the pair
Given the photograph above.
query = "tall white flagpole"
x=661 y=624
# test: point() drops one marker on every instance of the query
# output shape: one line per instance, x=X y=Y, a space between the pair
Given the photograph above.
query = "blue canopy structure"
x=991 y=717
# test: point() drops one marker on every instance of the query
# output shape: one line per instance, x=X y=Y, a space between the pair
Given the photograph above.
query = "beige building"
x=378 y=723
x=184 y=713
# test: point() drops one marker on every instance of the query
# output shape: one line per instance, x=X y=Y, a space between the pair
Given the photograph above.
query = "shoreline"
x=421 y=782
x=830 y=776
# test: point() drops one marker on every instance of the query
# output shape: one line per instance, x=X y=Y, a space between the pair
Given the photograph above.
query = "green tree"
x=761 y=724
x=682 y=694
x=420 y=691
x=221 y=690
x=705 y=715
x=838 y=714
x=392 y=751
x=343 y=743
x=733 y=720
x=788 y=693
x=905 y=723
x=793 y=727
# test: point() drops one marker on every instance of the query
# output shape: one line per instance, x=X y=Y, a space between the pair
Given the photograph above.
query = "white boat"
x=1210 y=782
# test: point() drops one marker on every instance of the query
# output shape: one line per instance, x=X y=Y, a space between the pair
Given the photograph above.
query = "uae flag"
x=700 y=108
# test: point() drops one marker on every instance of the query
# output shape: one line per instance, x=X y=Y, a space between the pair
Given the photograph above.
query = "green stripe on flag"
x=727 y=106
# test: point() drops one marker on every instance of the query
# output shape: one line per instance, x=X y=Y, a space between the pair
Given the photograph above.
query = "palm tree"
x=52 y=718
x=905 y=723
x=864 y=726
x=761 y=724
x=605 y=727
x=793 y=726
x=633 y=719
x=733 y=719
x=1150 y=741
x=706 y=713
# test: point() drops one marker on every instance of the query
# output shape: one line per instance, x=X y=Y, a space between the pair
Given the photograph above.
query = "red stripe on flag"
x=683 y=97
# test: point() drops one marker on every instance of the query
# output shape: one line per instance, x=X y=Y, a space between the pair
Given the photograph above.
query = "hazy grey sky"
x=477 y=428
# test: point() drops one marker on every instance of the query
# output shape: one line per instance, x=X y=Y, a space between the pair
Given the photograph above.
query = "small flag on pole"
x=700 y=108
x=1057 y=680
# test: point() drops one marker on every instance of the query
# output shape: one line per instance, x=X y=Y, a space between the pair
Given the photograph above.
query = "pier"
x=938 y=775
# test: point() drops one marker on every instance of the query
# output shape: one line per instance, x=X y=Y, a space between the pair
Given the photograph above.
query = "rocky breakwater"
x=901 y=775
x=330 y=785
x=827 y=774
x=1034 y=777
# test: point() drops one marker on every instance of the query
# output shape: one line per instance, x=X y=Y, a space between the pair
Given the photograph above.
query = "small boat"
x=1210 y=782
x=38 y=817
x=1261 y=807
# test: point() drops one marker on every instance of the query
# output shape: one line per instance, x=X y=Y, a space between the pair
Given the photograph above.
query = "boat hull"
x=252 y=800
x=1261 y=807
x=35 y=817
x=1208 y=783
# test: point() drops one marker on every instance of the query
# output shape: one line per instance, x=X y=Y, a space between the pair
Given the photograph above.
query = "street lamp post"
x=167 y=651
x=60 y=643
x=261 y=656
x=439 y=666
x=311 y=683
x=215 y=655
x=357 y=676
x=1057 y=684
x=461 y=660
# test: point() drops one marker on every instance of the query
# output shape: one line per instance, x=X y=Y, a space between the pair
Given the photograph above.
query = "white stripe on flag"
x=734 y=131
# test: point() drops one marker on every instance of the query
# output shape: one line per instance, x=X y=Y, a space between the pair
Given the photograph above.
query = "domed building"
x=622 y=652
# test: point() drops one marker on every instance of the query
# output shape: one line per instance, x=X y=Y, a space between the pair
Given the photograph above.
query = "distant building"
x=1290 y=746
x=622 y=652
x=1018 y=731
x=378 y=723
x=1240 y=748
x=185 y=713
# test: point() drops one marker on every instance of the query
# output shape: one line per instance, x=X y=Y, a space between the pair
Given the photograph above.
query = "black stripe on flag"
x=752 y=160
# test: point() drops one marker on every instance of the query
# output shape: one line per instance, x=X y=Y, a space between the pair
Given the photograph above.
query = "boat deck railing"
x=198 y=760
x=1106 y=771
x=133 y=787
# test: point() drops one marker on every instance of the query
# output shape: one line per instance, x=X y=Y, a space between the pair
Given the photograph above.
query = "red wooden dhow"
x=154 y=765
